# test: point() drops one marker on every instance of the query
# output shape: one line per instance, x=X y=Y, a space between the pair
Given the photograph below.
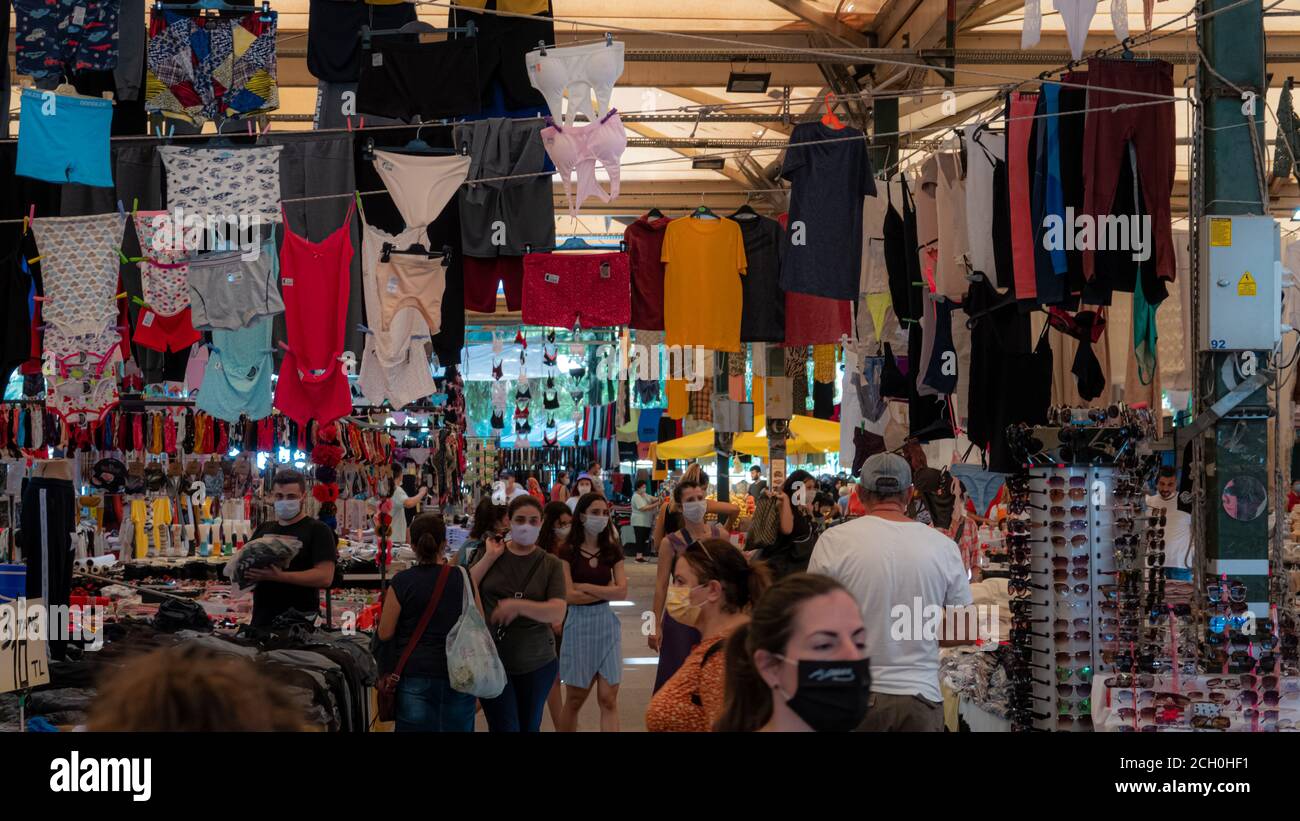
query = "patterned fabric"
x=65 y=36
x=85 y=390
x=165 y=278
x=702 y=402
x=222 y=181
x=211 y=71
x=79 y=266
x=691 y=700
x=796 y=367
x=736 y=364
x=824 y=363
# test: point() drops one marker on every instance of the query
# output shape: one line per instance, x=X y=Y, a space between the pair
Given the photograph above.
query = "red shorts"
x=163 y=333
x=563 y=290
x=816 y=320
x=481 y=278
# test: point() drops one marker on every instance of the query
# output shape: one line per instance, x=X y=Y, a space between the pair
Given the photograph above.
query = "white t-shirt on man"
x=888 y=566
x=1178 y=531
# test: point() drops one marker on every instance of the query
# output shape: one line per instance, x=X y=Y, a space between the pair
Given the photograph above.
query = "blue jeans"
x=429 y=705
x=519 y=707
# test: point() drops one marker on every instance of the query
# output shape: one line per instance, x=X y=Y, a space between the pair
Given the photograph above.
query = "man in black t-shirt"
x=757 y=487
x=312 y=569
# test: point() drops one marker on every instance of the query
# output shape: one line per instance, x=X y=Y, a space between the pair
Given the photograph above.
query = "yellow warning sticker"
x=1246 y=285
x=1220 y=232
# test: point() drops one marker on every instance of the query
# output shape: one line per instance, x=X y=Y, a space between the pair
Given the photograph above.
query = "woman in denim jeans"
x=425 y=700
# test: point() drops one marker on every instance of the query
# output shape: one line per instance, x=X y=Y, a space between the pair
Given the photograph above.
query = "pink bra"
x=580 y=149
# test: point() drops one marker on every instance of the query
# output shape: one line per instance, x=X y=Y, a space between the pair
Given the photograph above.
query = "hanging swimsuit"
x=393 y=365
x=421 y=186
x=524 y=395
x=550 y=400
x=574 y=149
x=79 y=269
x=315 y=278
x=237 y=380
x=164 y=323
x=227 y=292
x=498 y=420
x=579 y=70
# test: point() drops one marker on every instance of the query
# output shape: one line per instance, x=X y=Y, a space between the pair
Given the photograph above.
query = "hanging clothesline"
x=723 y=155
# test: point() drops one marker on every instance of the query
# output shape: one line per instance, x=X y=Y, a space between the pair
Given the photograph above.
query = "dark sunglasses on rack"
x=1074 y=511
x=1063 y=589
x=1068 y=722
x=1073 y=481
x=1130 y=680
x=1065 y=636
x=1063 y=562
x=1075 y=541
x=1063 y=526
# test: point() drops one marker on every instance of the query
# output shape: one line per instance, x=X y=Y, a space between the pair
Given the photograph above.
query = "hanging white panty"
x=1033 y=26
x=1119 y=19
x=1077 y=16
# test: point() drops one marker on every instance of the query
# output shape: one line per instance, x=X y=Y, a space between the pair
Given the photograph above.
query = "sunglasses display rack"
x=1060 y=540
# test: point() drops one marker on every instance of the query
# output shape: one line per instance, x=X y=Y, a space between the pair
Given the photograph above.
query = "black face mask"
x=832 y=695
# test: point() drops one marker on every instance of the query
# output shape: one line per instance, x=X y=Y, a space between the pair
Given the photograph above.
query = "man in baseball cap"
x=899 y=570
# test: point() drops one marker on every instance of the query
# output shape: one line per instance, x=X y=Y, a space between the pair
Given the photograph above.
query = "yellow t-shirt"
x=705 y=260
x=516 y=6
x=678 y=403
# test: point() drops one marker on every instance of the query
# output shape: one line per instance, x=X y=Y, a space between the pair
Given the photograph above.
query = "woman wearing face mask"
x=560 y=490
x=673 y=639
x=523 y=594
x=669 y=519
x=798 y=665
x=794 y=541
x=557 y=522
x=584 y=486
x=714 y=588
x=593 y=646
x=426 y=701
x=488 y=518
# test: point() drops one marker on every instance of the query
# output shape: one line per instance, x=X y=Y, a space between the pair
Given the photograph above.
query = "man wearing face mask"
x=298 y=586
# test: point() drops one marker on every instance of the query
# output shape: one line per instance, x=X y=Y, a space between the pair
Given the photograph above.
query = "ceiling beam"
x=727 y=171
x=826 y=23
x=987 y=12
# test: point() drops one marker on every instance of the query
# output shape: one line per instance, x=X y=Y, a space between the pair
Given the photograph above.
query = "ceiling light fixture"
x=744 y=82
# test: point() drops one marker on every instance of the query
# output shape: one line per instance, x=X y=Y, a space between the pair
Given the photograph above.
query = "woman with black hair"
x=799 y=664
x=557 y=522
x=592 y=650
x=488 y=518
x=426 y=701
x=797 y=532
x=714 y=587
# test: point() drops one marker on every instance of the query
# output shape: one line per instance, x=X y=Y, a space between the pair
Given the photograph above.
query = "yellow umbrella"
x=688 y=447
x=807 y=435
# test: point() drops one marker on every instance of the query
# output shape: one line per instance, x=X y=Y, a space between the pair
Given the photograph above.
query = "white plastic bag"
x=472 y=661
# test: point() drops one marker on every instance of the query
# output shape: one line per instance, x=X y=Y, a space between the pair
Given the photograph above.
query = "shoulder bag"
x=472 y=661
x=387 y=686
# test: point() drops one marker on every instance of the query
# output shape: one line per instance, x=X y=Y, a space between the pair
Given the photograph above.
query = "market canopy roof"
x=807 y=435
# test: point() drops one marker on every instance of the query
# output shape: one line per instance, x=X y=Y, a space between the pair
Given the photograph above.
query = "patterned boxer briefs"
x=216 y=71
x=65 y=36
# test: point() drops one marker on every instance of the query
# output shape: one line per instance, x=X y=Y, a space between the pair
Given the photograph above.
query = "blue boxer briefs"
x=65 y=139
x=64 y=37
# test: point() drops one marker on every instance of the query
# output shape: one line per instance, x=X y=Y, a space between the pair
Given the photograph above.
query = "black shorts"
x=427 y=80
x=334 y=35
x=503 y=46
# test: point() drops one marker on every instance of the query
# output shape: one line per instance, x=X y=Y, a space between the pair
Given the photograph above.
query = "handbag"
x=765 y=524
x=472 y=661
x=386 y=687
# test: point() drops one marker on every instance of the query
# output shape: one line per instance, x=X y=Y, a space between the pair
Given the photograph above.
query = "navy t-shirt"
x=823 y=238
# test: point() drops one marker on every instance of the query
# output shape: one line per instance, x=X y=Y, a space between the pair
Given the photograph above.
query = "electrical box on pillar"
x=1242 y=283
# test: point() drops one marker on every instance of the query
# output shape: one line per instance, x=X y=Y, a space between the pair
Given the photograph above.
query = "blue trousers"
x=430 y=705
x=519 y=707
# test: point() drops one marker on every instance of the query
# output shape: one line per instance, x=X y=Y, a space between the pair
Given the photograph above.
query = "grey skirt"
x=593 y=645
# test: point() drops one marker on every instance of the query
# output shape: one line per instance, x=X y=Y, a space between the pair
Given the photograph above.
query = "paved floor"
x=639 y=661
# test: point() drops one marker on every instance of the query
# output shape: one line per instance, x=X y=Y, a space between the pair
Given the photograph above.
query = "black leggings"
x=642 y=539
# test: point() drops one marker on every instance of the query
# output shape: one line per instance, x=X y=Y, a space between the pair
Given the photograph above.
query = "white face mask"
x=286 y=509
x=563 y=532
x=584 y=489
x=694 y=511
x=525 y=535
x=595 y=525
